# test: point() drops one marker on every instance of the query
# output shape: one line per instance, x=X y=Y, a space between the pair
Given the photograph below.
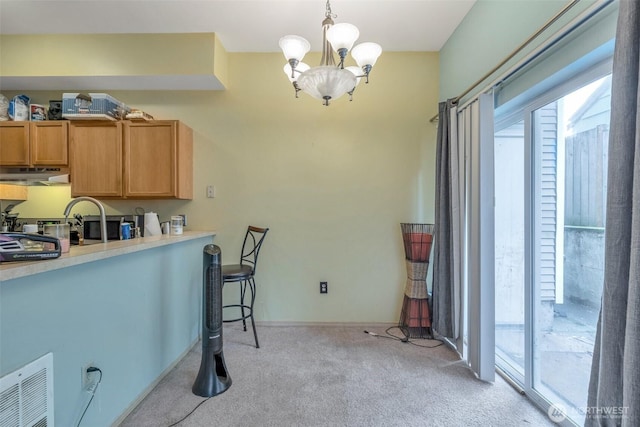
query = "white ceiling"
x=243 y=25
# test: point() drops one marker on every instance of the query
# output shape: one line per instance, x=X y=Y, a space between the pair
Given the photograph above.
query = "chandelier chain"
x=328 y=13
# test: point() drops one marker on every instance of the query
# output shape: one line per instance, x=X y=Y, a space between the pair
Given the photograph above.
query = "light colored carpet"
x=334 y=376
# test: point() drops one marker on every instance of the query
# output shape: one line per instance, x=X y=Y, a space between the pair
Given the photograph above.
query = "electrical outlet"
x=324 y=287
x=86 y=376
x=211 y=191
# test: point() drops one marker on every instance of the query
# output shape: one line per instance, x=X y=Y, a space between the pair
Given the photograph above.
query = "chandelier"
x=329 y=81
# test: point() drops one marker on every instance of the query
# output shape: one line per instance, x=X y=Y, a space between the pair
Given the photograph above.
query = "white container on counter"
x=60 y=231
x=176 y=225
x=151 y=224
x=30 y=228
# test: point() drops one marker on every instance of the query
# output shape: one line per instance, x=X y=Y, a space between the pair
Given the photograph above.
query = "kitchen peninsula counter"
x=131 y=308
x=94 y=252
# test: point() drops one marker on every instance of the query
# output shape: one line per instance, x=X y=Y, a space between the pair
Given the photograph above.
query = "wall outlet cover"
x=324 y=287
x=86 y=376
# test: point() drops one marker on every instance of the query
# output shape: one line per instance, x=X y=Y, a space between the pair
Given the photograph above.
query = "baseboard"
x=268 y=323
x=151 y=386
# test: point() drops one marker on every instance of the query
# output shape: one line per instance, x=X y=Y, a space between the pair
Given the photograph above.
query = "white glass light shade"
x=342 y=36
x=357 y=71
x=294 y=47
x=366 y=53
x=300 y=68
x=326 y=81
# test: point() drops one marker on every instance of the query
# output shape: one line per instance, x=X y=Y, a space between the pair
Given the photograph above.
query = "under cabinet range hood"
x=34 y=176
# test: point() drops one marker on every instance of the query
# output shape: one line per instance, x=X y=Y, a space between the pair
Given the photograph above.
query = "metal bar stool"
x=244 y=274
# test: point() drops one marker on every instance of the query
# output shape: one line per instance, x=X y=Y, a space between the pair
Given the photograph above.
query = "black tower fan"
x=213 y=378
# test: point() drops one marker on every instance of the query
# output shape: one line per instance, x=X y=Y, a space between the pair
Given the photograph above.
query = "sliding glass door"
x=509 y=154
x=550 y=183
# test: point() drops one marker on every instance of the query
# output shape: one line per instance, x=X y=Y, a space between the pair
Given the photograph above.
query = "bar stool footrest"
x=249 y=315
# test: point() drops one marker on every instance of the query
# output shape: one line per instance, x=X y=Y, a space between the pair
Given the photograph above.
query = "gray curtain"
x=443 y=274
x=614 y=388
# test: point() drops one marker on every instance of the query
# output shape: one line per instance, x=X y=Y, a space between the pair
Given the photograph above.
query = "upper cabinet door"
x=150 y=153
x=14 y=144
x=49 y=143
x=158 y=160
x=96 y=159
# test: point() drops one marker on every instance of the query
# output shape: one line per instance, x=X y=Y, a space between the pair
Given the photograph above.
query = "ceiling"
x=243 y=25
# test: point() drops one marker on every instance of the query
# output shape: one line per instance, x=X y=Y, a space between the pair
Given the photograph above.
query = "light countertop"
x=95 y=252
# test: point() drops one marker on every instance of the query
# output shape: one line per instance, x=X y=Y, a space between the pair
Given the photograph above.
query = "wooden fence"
x=586 y=177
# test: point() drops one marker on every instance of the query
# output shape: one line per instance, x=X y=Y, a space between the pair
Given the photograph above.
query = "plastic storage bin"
x=98 y=106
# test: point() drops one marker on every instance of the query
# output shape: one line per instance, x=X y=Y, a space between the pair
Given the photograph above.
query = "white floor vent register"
x=26 y=395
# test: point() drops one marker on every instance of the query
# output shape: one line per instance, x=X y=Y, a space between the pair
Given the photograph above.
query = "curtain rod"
x=519 y=49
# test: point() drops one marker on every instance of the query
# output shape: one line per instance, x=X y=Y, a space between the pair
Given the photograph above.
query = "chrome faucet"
x=103 y=218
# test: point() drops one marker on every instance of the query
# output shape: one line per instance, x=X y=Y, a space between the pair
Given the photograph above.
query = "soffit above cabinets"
x=99 y=83
x=113 y=62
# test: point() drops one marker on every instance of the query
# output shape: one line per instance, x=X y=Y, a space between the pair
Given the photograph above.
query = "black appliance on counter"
x=10 y=220
x=28 y=247
x=91 y=226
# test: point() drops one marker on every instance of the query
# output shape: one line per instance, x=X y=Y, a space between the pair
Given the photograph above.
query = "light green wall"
x=333 y=184
x=489 y=33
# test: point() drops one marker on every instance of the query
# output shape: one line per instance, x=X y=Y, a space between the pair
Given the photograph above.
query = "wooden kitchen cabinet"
x=49 y=143
x=95 y=158
x=34 y=144
x=137 y=160
x=158 y=159
x=14 y=144
x=13 y=192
